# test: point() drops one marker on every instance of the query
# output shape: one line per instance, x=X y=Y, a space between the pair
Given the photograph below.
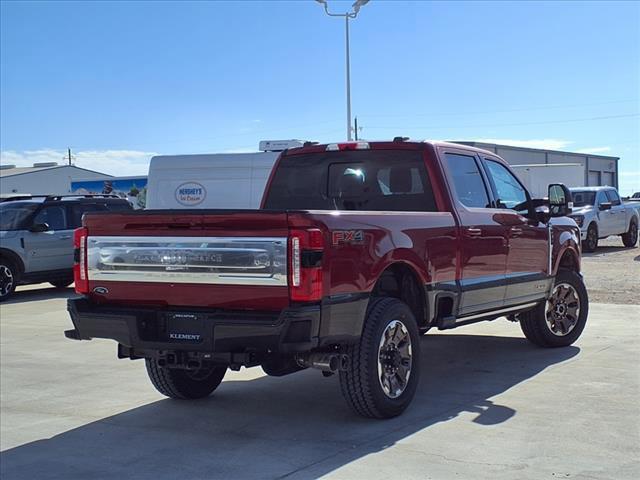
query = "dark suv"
x=36 y=237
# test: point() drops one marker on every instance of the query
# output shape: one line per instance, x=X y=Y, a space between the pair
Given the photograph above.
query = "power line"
x=510 y=124
x=527 y=109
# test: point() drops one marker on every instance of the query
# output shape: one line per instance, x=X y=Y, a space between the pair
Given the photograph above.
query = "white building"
x=44 y=178
x=597 y=170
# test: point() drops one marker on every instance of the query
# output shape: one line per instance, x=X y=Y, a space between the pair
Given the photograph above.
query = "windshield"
x=14 y=215
x=583 y=198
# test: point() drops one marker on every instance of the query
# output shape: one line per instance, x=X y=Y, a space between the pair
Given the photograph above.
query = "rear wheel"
x=384 y=366
x=559 y=321
x=185 y=384
x=8 y=279
x=591 y=242
x=631 y=237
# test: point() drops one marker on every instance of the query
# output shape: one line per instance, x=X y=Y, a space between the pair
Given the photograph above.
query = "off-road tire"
x=360 y=385
x=7 y=271
x=591 y=242
x=62 y=283
x=534 y=323
x=630 y=238
x=180 y=384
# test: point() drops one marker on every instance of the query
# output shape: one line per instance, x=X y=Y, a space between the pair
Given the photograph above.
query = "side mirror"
x=40 y=227
x=605 y=206
x=560 y=200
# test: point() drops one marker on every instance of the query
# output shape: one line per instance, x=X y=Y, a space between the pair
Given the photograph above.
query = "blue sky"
x=120 y=81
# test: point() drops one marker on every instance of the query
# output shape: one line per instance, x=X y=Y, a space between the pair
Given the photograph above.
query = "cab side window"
x=509 y=192
x=467 y=180
x=55 y=216
x=613 y=197
x=601 y=198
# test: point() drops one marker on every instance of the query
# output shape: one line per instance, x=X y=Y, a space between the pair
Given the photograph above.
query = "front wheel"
x=185 y=384
x=591 y=242
x=384 y=366
x=631 y=237
x=8 y=279
x=559 y=321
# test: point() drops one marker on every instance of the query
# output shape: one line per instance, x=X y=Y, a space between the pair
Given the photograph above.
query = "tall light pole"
x=347 y=16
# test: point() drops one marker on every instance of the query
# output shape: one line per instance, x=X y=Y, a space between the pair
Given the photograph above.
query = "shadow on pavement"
x=294 y=426
x=600 y=251
x=47 y=292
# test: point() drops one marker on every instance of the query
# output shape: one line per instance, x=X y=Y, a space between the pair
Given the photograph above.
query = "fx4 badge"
x=347 y=236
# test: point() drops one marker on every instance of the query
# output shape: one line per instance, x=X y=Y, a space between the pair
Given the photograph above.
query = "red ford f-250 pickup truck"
x=357 y=250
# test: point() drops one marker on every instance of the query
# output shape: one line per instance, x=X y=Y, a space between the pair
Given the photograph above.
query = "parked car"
x=358 y=249
x=599 y=212
x=36 y=243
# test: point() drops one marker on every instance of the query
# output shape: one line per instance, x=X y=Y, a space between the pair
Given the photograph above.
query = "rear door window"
x=54 y=215
x=382 y=180
x=80 y=209
x=467 y=180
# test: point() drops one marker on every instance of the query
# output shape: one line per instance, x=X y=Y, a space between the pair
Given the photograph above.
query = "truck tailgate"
x=206 y=258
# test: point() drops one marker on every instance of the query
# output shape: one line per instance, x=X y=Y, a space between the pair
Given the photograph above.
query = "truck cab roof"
x=399 y=143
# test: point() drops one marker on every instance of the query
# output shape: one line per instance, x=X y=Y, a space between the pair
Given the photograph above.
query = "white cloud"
x=545 y=144
x=112 y=162
x=594 y=150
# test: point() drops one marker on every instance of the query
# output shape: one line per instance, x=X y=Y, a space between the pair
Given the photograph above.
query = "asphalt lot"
x=489 y=406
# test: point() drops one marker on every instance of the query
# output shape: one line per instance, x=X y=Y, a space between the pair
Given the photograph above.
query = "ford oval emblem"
x=101 y=290
x=190 y=194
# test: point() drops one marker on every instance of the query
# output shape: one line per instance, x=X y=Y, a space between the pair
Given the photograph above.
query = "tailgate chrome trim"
x=208 y=260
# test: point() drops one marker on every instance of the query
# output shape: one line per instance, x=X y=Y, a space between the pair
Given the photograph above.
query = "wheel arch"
x=13 y=258
x=568 y=259
x=402 y=281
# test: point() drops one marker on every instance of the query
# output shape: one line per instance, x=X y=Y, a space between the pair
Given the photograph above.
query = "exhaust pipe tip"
x=327 y=362
x=344 y=362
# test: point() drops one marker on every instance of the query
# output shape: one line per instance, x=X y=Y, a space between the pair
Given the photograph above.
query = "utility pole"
x=69 y=158
x=355 y=129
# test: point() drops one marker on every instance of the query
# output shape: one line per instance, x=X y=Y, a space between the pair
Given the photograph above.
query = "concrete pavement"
x=489 y=405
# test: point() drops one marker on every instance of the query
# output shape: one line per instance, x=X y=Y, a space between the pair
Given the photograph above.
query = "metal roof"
x=10 y=172
x=528 y=149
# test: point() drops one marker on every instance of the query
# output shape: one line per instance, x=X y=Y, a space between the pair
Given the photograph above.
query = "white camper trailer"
x=219 y=180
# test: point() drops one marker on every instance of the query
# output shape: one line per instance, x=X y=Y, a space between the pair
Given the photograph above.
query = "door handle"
x=516 y=232
x=473 y=232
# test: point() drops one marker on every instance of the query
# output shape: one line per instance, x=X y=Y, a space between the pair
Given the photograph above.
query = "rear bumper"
x=143 y=330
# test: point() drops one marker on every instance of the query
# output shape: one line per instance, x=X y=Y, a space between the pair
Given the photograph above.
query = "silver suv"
x=36 y=237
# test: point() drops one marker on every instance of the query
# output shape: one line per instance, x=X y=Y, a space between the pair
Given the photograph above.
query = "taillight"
x=305 y=265
x=80 y=277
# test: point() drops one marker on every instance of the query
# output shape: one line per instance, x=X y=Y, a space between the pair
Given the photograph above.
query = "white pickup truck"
x=599 y=212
